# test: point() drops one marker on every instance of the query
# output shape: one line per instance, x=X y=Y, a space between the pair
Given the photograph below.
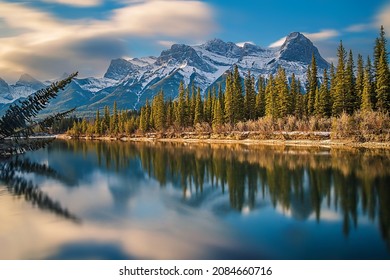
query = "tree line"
x=344 y=89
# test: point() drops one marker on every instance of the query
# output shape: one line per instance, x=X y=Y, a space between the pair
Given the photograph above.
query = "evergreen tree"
x=159 y=111
x=250 y=97
x=283 y=98
x=323 y=107
x=380 y=46
x=114 y=120
x=229 y=105
x=340 y=89
x=271 y=104
x=370 y=74
x=207 y=113
x=170 y=118
x=180 y=107
x=260 y=98
x=313 y=85
x=192 y=105
x=383 y=84
x=221 y=98
x=300 y=106
x=97 y=123
x=359 y=82
x=106 y=119
x=350 y=98
x=238 y=98
x=198 y=117
x=332 y=86
x=366 y=104
x=217 y=114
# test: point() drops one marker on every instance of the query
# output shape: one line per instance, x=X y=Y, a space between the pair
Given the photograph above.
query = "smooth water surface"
x=118 y=200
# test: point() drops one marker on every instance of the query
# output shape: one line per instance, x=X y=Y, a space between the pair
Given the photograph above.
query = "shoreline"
x=325 y=143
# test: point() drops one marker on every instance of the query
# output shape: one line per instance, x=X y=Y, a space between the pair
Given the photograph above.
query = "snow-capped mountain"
x=131 y=82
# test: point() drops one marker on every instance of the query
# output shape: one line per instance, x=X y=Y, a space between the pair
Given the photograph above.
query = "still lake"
x=124 y=200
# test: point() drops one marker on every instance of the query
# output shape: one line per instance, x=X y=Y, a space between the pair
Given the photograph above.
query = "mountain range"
x=131 y=82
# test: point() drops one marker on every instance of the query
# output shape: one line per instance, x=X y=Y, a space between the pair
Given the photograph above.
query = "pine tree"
x=369 y=70
x=271 y=99
x=114 y=120
x=207 y=113
x=339 y=102
x=366 y=104
x=383 y=84
x=159 y=111
x=380 y=46
x=283 y=95
x=260 y=98
x=323 y=106
x=198 y=117
x=350 y=98
x=250 y=97
x=180 y=107
x=192 y=105
x=359 y=82
x=97 y=123
x=229 y=105
x=106 y=119
x=217 y=114
x=332 y=87
x=238 y=98
x=221 y=97
x=313 y=85
x=300 y=105
x=170 y=118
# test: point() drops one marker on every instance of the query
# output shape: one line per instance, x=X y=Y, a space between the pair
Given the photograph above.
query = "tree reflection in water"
x=352 y=182
x=12 y=174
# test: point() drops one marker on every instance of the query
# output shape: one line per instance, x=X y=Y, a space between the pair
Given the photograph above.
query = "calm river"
x=121 y=200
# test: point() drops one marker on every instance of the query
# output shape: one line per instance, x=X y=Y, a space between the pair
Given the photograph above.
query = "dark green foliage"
x=250 y=97
x=313 y=85
x=19 y=117
x=20 y=120
x=260 y=98
x=340 y=87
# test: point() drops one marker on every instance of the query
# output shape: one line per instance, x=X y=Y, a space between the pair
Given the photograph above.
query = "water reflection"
x=299 y=180
x=13 y=175
x=220 y=201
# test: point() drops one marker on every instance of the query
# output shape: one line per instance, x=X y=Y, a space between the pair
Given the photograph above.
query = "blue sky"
x=48 y=37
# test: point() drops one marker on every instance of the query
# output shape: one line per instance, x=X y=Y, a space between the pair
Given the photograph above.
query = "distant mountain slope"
x=131 y=82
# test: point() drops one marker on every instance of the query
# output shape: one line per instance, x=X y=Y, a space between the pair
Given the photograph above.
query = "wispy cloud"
x=356 y=28
x=322 y=35
x=166 y=43
x=76 y=3
x=383 y=18
x=278 y=43
x=59 y=42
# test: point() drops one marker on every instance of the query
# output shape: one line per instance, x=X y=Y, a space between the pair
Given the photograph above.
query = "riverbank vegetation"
x=347 y=102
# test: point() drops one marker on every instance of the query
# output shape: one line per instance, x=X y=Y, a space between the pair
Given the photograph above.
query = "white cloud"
x=165 y=43
x=322 y=35
x=358 y=27
x=383 y=18
x=77 y=3
x=41 y=39
x=278 y=43
x=241 y=44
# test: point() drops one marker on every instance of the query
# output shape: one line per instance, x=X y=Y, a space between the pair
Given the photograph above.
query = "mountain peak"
x=220 y=47
x=29 y=81
x=297 y=47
